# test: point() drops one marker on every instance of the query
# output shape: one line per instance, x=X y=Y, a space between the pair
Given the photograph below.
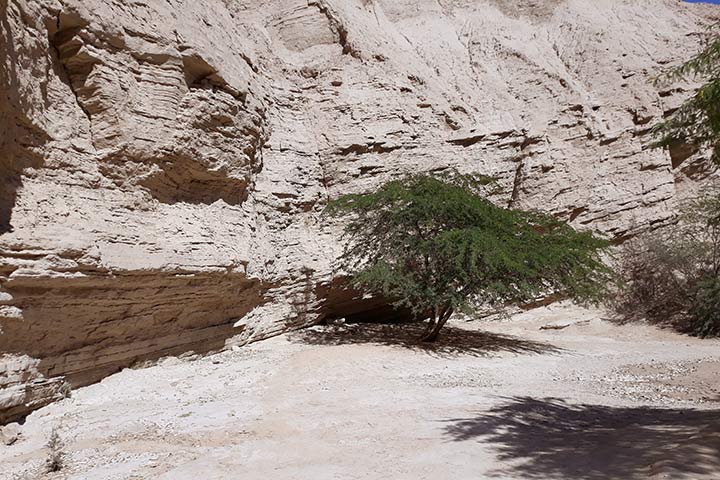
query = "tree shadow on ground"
x=551 y=438
x=453 y=341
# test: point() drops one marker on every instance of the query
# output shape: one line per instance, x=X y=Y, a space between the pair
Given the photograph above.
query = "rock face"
x=164 y=164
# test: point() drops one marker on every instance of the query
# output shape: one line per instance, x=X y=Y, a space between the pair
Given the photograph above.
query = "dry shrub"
x=673 y=277
x=55 y=460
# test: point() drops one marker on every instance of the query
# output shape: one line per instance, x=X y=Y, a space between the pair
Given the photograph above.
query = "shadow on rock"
x=551 y=438
x=453 y=341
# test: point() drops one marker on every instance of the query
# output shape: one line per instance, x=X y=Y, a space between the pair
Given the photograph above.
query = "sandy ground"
x=499 y=399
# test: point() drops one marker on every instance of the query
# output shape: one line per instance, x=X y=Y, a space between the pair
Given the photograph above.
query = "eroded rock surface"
x=164 y=164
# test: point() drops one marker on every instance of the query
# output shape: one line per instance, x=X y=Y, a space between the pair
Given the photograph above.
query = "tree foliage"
x=697 y=121
x=436 y=245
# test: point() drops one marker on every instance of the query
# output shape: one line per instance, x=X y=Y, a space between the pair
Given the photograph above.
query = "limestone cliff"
x=164 y=163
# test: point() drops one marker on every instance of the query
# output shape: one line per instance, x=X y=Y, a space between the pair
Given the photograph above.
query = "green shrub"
x=705 y=308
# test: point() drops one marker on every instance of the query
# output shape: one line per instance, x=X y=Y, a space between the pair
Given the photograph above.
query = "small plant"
x=437 y=245
x=65 y=390
x=55 y=460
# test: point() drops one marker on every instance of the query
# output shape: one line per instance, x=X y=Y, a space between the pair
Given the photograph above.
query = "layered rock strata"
x=164 y=164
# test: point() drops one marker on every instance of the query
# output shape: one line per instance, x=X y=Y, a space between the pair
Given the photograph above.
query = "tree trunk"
x=431 y=324
x=429 y=328
x=432 y=332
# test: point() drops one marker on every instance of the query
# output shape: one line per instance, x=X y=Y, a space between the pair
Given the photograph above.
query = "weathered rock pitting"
x=164 y=165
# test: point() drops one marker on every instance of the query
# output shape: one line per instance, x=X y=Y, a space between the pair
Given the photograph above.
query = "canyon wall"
x=164 y=164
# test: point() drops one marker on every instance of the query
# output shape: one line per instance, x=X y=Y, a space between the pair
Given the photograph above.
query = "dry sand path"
x=501 y=400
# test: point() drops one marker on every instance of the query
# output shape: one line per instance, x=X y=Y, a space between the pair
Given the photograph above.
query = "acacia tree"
x=436 y=245
x=697 y=121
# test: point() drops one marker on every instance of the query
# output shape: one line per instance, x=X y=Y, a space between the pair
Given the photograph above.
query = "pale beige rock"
x=165 y=163
x=10 y=433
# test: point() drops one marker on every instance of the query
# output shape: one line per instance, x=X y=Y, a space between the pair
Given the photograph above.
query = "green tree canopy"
x=697 y=121
x=436 y=245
